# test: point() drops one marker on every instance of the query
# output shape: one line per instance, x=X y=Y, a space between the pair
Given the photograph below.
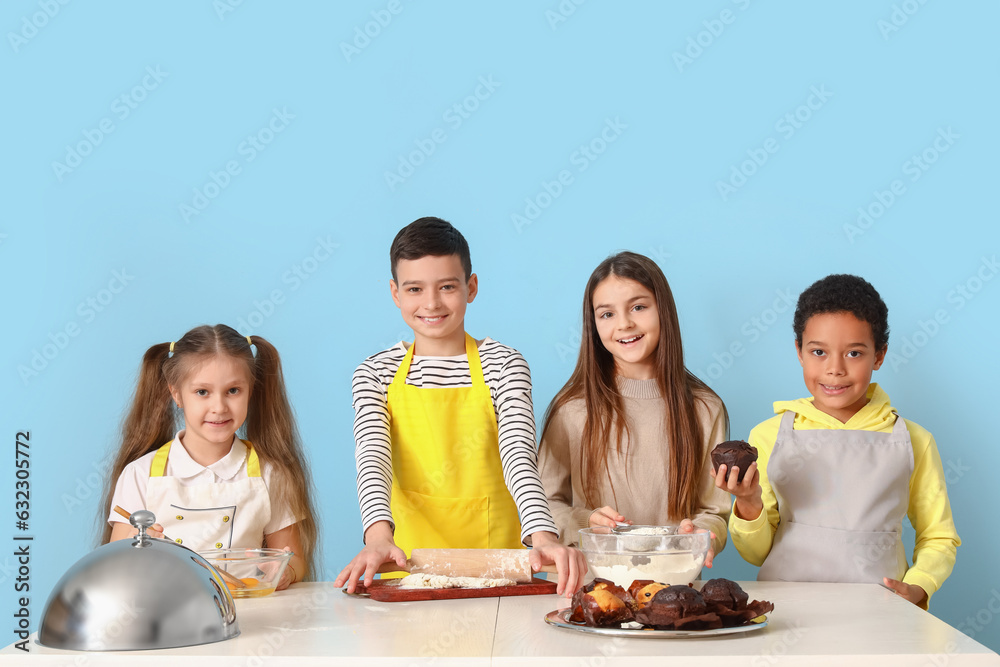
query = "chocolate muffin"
x=670 y=605
x=725 y=593
x=734 y=453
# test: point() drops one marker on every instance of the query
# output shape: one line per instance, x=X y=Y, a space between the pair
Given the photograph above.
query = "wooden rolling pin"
x=487 y=563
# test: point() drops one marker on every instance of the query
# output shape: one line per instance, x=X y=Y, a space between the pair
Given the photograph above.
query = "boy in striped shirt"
x=444 y=427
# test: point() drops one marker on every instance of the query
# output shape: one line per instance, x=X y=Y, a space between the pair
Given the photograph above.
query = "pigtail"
x=150 y=423
x=270 y=427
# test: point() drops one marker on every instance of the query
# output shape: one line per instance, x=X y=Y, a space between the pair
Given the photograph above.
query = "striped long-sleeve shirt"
x=509 y=380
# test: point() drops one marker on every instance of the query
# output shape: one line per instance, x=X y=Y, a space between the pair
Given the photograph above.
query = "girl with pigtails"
x=208 y=488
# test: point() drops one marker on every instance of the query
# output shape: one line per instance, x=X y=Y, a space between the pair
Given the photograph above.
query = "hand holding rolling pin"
x=570 y=563
x=379 y=549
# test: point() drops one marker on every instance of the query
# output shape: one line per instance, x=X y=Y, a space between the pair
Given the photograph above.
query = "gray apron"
x=842 y=496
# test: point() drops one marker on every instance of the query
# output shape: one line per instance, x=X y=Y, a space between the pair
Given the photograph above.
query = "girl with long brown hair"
x=208 y=488
x=627 y=439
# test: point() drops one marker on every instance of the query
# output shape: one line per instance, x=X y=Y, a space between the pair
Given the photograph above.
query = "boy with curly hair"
x=837 y=472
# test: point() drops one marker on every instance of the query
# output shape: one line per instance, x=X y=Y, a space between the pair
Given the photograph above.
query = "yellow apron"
x=448 y=489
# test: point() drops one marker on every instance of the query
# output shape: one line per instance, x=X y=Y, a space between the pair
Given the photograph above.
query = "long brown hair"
x=270 y=424
x=594 y=381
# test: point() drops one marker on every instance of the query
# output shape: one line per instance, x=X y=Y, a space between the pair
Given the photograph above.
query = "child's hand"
x=156 y=530
x=687 y=526
x=569 y=562
x=911 y=592
x=379 y=548
x=607 y=516
x=749 y=504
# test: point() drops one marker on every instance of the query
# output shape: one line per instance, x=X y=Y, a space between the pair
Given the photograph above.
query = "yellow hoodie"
x=929 y=510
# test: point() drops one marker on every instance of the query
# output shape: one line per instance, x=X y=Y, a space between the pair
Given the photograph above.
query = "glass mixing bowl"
x=259 y=570
x=659 y=553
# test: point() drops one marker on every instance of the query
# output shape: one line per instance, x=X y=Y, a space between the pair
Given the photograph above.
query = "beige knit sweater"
x=638 y=474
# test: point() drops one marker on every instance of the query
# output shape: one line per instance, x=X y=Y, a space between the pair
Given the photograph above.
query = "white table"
x=309 y=624
x=812 y=624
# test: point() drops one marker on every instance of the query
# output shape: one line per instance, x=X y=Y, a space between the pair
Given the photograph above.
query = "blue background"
x=893 y=78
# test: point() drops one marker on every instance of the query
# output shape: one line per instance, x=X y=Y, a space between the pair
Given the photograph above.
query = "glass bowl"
x=659 y=553
x=260 y=570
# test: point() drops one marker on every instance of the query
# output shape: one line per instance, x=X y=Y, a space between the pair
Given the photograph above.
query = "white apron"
x=842 y=496
x=214 y=515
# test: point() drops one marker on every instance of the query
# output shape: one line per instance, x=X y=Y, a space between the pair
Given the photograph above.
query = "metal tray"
x=560 y=619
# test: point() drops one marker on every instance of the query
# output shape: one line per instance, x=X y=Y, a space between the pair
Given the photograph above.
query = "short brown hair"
x=429 y=236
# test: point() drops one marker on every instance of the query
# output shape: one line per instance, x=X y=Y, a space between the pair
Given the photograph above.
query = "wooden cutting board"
x=388 y=590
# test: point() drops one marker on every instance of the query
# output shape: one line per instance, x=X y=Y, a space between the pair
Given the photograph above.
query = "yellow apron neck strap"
x=471 y=351
x=399 y=379
x=159 y=464
x=475 y=365
x=253 y=463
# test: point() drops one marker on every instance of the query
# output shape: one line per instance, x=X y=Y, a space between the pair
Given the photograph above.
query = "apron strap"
x=475 y=365
x=471 y=351
x=399 y=379
x=899 y=428
x=159 y=464
x=787 y=424
x=253 y=462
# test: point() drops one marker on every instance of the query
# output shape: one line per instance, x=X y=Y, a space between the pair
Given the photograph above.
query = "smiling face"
x=628 y=325
x=838 y=357
x=432 y=295
x=213 y=395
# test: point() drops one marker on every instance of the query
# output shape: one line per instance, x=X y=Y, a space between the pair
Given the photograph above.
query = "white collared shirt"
x=130 y=489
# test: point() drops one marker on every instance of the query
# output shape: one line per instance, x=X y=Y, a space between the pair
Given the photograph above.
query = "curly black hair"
x=844 y=293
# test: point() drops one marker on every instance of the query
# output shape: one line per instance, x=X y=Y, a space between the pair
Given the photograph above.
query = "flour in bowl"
x=674 y=569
